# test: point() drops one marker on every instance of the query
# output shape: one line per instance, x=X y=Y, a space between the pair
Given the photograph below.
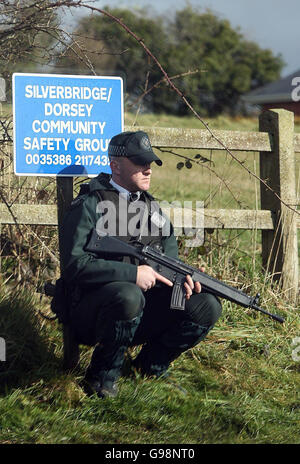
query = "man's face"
x=131 y=176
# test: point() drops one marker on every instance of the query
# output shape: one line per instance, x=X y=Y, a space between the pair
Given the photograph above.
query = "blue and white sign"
x=63 y=124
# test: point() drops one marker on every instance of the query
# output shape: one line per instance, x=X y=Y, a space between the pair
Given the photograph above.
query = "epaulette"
x=84 y=188
x=77 y=201
x=82 y=195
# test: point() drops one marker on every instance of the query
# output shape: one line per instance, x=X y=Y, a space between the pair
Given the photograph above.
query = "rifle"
x=173 y=269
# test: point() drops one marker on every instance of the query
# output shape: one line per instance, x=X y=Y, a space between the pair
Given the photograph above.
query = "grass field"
x=242 y=386
x=242 y=382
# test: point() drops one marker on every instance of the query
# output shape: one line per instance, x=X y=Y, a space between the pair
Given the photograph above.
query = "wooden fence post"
x=277 y=169
x=64 y=187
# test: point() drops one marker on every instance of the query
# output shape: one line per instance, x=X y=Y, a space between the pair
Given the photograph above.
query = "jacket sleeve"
x=79 y=266
x=170 y=243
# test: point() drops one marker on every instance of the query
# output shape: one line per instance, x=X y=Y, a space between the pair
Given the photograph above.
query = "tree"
x=100 y=45
x=230 y=65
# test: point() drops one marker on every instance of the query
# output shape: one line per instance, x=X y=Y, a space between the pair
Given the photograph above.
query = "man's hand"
x=191 y=286
x=146 y=278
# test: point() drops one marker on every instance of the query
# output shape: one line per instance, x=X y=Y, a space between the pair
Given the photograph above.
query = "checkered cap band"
x=133 y=145
x=116 y=150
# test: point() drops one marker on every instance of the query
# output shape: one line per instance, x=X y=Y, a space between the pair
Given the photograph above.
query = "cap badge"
x=145 y=143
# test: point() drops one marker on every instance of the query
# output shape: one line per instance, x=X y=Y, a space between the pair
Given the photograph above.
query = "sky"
x=272 y=24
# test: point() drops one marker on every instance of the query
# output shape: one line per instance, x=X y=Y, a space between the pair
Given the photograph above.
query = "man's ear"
x=115 y=166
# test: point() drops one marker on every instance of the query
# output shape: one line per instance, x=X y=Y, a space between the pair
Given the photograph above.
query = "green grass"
x=242 y=386
x=221 y=122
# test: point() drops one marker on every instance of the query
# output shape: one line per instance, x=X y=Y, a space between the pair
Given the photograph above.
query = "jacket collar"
x=101 y=182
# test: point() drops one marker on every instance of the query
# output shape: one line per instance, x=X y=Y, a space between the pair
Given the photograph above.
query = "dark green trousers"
x=117 y=301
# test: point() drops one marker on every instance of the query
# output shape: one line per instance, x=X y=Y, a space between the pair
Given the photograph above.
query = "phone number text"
x=66 y=160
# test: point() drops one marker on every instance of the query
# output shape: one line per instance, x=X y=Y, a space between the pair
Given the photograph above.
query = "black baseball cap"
x=135 y=146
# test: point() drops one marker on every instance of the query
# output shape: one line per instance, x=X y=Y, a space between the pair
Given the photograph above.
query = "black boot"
x=107 y=359
x=104 y=383
x=156 y=356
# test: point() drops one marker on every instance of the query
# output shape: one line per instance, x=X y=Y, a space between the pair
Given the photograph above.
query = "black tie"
x=134 y=196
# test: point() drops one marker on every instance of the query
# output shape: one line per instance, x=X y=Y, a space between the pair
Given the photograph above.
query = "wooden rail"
x=201 y=139
x=213 y=218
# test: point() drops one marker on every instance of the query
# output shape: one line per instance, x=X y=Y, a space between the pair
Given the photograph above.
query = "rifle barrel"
x=273 y=316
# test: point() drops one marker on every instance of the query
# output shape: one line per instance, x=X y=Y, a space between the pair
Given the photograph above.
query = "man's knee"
x=129 y=301
x=215 y=307
x=205 y=309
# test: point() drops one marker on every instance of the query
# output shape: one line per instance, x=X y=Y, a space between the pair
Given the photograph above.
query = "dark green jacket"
x=82 y=268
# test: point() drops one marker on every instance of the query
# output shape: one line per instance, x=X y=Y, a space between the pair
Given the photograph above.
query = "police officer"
x=117 y=303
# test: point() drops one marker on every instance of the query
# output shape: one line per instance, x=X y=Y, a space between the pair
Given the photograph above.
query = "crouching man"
x=118 y=303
